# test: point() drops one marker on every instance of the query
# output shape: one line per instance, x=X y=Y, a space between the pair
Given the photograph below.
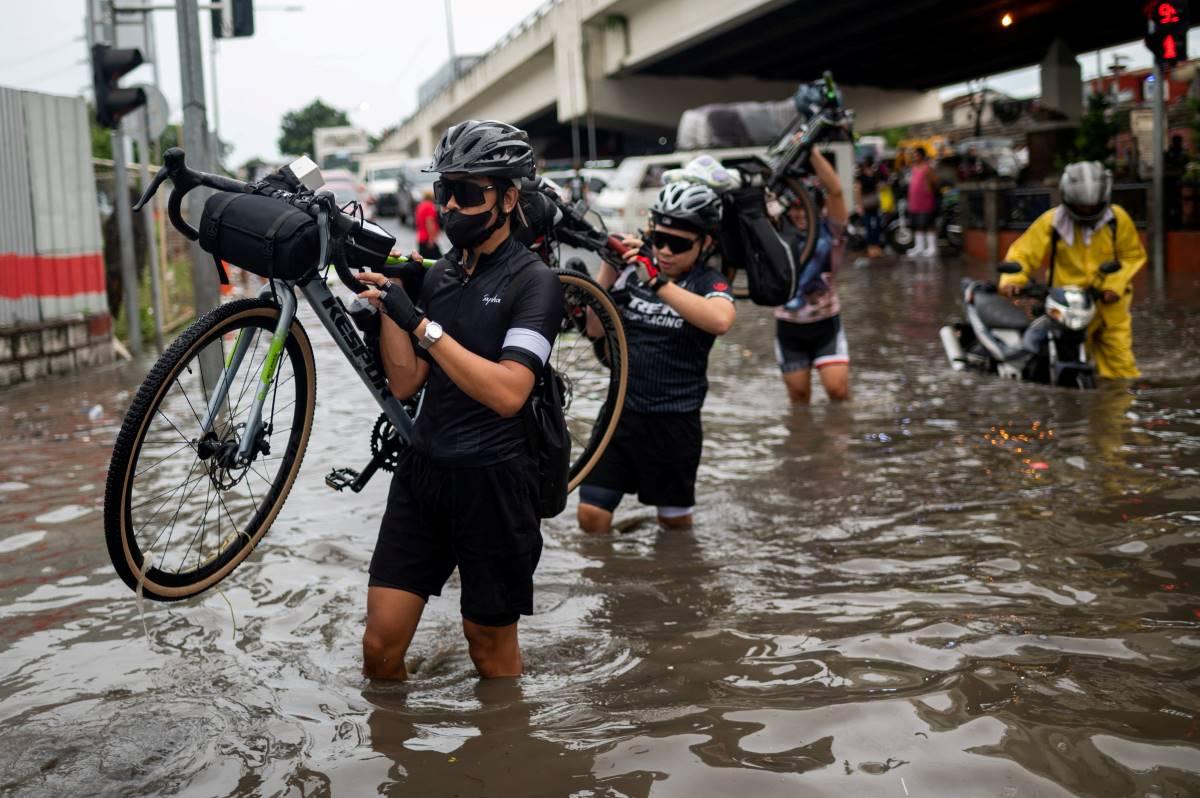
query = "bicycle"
x=241 y=380
x=785 y=169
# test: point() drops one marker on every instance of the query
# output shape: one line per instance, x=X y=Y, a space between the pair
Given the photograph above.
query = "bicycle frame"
x=329 y=309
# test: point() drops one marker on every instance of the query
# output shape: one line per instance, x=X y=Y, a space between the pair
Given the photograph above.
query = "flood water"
x=950 y=587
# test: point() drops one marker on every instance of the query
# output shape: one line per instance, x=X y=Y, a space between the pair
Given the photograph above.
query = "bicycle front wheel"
x=181 y=508
x=591 y=358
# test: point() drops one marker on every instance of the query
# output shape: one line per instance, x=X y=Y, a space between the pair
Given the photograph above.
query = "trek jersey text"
x=668 y=358
x=452 y=428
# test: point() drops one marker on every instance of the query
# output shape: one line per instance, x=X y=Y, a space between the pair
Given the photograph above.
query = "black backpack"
x=749 y=241
x=545 y=423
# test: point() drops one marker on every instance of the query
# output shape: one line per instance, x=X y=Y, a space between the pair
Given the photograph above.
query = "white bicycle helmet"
x=1086 y=190
x=707 y=171
x=687 y=205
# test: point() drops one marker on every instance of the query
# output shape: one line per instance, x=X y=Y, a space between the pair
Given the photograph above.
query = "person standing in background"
x=867 y=186
x=425 y=218
x=922 y=206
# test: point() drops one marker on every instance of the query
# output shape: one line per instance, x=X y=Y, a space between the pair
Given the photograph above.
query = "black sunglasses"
x=677 y=244
x=464 y=192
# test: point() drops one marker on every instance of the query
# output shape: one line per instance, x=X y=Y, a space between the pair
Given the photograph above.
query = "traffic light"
x=1167 y=30
x=113 y=102
x=232 y=18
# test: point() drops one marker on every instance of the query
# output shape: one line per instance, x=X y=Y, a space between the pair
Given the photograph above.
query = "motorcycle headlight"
x=1077 y=318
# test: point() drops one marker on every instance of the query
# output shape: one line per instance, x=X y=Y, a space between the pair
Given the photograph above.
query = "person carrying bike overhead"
x=465 y=493
x=808 y=329
x=1078 y=237
x=673 y=306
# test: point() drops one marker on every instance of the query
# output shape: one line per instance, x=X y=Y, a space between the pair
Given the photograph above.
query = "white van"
x=625 y=203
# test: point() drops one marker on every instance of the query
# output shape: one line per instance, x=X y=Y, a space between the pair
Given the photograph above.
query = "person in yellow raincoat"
x=1086 y=231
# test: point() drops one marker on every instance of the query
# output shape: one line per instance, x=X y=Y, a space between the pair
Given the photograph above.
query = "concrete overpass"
x=624 y=70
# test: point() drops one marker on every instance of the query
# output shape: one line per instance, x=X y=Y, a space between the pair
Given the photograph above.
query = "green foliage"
x=296 y=129
x=101 y=136
x=893 y=135
x=1096 y=132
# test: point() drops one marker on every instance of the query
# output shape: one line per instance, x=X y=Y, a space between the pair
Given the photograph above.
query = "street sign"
x=1167 y=27
x=156 y=106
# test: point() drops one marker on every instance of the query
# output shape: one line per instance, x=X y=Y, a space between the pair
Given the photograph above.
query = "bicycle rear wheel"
x=594 y=369
x=180 y=512
x=810 y=217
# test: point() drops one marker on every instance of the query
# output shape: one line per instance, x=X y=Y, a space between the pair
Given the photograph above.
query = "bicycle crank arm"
x=341 y=478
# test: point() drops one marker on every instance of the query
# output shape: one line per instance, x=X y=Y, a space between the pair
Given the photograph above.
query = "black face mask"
x=467 y=231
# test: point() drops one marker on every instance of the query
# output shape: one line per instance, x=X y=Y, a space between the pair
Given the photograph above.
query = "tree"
x=1096 y=131
x=296 y=130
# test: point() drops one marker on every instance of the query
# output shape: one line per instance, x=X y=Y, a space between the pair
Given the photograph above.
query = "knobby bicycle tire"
x=611 y=356
x=130 y=561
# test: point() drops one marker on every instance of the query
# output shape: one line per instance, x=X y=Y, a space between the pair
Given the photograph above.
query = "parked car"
x=996 y=153
x=624 y=204
x=346 y=187
x=387 y=185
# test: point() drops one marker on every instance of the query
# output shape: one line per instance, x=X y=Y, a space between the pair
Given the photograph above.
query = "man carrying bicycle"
x=465 y=492
x=672 y=312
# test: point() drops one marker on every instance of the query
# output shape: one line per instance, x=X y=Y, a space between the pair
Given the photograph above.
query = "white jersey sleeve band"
x=531 y=341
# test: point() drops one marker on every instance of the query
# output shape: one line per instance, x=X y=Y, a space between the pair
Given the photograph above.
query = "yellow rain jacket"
x=1078 y=263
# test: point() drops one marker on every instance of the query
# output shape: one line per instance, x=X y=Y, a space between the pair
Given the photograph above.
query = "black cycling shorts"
x=815 y=344
x=482 y=520
x=655 y=455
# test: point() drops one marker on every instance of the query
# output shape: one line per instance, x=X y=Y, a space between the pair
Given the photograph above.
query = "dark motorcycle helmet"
x=1086 y=191
x=486 y=148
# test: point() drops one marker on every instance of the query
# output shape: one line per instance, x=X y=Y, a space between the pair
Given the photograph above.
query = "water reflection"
x=950 y=586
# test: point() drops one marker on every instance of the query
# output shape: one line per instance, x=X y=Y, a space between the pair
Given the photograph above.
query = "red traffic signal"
x=1168 y=22
x=113 y=102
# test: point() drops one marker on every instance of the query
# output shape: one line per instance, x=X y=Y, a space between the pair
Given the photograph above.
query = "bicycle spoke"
x=186 y=444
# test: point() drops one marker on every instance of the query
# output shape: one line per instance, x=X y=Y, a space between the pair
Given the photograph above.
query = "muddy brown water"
x=950 y=587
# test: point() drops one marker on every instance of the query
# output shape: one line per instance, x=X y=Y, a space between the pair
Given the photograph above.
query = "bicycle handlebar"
x=185 y=179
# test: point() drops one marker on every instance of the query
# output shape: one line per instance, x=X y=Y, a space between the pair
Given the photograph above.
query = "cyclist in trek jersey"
x=671 y=321
x=808 y=329
x=465 y=492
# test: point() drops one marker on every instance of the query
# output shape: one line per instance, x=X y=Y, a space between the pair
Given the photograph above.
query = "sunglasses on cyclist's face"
x=464 y=192
x=675 y=243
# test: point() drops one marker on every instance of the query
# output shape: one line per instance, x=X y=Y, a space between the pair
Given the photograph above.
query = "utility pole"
x=450 y=43
x=1158 y=218
x=195 y=140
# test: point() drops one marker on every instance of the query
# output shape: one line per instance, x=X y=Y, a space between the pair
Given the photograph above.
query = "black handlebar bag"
x=751 y=242
x=260 y=234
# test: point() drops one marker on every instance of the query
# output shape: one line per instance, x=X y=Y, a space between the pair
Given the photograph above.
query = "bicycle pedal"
x=341 y=478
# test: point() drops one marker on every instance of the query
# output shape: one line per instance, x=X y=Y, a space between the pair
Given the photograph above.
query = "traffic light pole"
x=1158 y=236
x=124 y=211
x=195 y=143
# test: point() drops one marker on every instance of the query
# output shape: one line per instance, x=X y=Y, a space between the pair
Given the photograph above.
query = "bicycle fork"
x=245 y=338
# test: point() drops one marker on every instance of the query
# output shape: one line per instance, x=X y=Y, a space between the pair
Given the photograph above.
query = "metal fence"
x=51 y=264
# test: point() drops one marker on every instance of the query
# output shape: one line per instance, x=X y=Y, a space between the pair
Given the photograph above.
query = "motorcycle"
x=998 y=337
x=898 y=232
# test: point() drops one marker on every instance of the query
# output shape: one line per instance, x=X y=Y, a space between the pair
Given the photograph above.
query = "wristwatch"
x=433 y=334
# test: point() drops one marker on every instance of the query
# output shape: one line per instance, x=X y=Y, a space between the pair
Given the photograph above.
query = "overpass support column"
x=1062 y=81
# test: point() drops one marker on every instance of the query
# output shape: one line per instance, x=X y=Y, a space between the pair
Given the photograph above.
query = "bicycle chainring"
x=384 y=439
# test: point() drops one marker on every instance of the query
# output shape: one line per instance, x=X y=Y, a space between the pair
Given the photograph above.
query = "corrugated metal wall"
x=18 y=280
x=51 y=250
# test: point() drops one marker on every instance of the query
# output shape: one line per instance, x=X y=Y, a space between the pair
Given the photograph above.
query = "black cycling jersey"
x=453 y=429
x=668 y=358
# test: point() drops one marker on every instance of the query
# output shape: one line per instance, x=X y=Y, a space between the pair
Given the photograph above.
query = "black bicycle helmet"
x=688 y=205
x=486 y=148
